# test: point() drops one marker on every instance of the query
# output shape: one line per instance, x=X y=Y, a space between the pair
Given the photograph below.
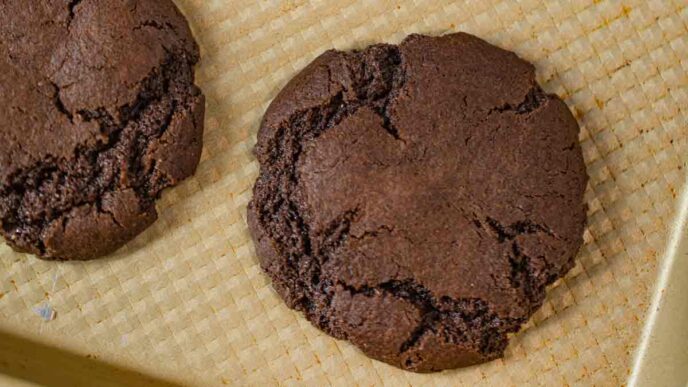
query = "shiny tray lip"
x=661 y=356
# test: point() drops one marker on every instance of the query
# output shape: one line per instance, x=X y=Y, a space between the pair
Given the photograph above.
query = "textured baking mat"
x=186 y=303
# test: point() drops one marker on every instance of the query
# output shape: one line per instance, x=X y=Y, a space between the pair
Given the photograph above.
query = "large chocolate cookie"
x=417 y=199
x=99 y=113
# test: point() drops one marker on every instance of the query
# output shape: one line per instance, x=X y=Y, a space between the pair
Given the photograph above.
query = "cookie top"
x=417 y=199
x=99 y=113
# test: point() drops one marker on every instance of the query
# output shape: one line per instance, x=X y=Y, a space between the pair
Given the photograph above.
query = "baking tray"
x=185 y=303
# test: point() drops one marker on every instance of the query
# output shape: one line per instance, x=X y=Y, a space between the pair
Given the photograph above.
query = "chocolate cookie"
x=99 y=114
x=417 y=199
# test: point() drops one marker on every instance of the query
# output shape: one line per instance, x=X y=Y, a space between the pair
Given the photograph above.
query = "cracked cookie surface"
x=99 y=114
x=417 y=199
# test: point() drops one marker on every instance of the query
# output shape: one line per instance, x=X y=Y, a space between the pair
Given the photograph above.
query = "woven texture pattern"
x=187 y=301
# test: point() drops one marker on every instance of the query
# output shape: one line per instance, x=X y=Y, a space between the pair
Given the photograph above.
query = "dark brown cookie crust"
x=417 y=199
x=99 y=114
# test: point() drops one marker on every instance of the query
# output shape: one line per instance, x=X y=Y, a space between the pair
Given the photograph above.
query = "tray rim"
x=660 y=355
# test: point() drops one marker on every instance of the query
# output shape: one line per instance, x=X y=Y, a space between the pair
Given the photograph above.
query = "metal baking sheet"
x=185 y=303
